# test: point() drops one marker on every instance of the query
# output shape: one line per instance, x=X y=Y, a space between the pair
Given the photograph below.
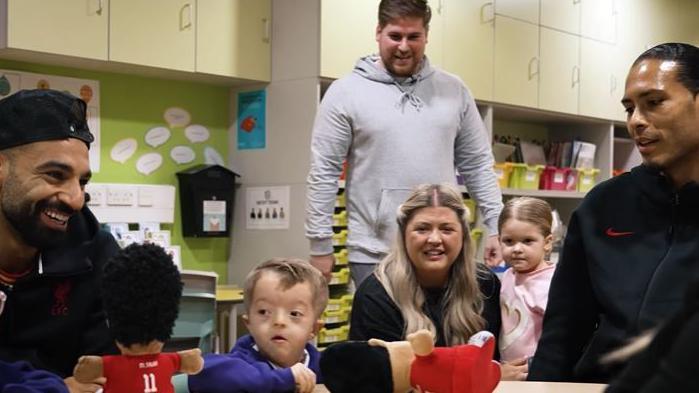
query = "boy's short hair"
x=292 y=271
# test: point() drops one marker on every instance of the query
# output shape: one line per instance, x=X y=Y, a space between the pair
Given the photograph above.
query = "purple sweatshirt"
x=20 y=377
x=244 y=370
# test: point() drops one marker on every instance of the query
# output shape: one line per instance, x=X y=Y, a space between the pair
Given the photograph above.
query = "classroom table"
x=531 y=387
x=227 y=300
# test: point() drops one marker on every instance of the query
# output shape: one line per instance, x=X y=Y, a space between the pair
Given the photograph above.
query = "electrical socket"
x=121 y=195
x=97 y=194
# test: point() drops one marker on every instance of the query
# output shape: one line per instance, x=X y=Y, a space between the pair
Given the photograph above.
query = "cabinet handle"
x=186 y=21
x=576 y=1
x=99 y=7
x=266 y=30
x=491 y=15
x=575 y=76
x=612 y=84
x=439 y=7
x=531 y=74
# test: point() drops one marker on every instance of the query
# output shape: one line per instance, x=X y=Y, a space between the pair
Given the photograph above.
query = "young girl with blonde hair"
x=526 y=240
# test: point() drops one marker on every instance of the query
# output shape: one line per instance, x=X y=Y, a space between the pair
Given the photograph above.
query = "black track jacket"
x=52 y=317
x=631 y=250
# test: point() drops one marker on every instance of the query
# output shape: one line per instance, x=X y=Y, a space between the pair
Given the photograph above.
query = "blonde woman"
x=429 y=280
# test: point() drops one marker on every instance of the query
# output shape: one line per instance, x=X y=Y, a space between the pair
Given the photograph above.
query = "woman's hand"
x=515 y=370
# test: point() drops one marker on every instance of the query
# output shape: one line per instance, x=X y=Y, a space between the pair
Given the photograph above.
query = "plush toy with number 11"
x=141 y=291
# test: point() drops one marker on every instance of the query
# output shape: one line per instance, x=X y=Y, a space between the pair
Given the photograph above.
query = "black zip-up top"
x=632 y=248
x=54 y=315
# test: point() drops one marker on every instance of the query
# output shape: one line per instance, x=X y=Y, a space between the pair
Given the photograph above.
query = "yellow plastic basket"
x=327 y=336
x=587 y=179
x=340 y=277
x=503 y=171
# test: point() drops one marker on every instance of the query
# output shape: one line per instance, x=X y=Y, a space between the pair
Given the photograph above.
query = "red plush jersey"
x=140 y=374
x=467 y=368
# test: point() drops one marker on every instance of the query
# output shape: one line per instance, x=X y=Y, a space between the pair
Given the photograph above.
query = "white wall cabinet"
x=68 y=27
x=523 y=10
x=561 y=15
x=347 y=32
x=234 y=38
x=559 y=76
x=516 y=71
x=598 y=20
x=601 y=80
x=228 y=39
x=154 y=33
x=471 y=24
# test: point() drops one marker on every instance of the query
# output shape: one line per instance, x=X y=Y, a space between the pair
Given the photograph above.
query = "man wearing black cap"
x=51 y=248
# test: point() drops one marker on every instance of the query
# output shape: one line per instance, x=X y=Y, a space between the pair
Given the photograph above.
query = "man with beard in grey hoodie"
x=398 y=122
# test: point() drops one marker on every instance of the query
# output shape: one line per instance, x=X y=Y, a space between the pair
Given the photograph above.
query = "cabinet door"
x=525 y=10
x=156 y=33
x=560 y=73
x=561 y=14
x=347 y=32
x=516 y=62
x=67 y=27
x=469 y=24
x=435 y=50
x=233 y=38
x=600 y=91
x=598 y=20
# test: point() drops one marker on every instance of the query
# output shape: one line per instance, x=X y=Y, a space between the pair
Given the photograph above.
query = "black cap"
x=30 y=116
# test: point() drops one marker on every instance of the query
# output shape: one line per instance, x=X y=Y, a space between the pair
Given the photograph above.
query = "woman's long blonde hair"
x=463 y=300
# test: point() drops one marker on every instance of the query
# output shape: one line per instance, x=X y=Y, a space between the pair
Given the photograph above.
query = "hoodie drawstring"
x=408 y=96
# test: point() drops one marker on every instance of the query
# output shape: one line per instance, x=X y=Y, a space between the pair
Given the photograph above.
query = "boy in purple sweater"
x=283 y=302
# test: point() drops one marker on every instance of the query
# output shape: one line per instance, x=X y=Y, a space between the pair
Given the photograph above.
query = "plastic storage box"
x=344 y=301
x=586 y=179
x=340 y=277
x=340 y=219
x=562 y=179
x=476 y=236
x=328 y=336
x=340 y=238
x=503 y=171
x=341 y=257
x=526 y=177
x=336 y=316
x=471 y=206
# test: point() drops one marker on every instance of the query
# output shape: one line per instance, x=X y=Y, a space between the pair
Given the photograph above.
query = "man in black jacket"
x=632 y=245
x=51 y=248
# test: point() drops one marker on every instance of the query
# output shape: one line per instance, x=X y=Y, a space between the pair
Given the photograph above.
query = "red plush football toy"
x=377 y=366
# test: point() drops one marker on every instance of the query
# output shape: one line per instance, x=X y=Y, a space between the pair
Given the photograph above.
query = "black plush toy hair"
x=355 y=366
x=141 y=291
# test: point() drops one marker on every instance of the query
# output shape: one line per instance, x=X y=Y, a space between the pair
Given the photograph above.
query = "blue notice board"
x=252 y=130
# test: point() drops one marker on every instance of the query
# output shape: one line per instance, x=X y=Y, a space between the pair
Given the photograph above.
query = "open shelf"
x=544 y=193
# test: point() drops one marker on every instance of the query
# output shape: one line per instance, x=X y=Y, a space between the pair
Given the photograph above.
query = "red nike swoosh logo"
x=612 y=233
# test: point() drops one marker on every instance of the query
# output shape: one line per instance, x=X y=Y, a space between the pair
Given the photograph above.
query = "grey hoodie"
x=395 y=135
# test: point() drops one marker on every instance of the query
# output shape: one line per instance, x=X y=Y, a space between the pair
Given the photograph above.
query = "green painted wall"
x=130 y=106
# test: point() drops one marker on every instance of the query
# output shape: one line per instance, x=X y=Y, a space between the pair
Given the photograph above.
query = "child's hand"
x=304 y=377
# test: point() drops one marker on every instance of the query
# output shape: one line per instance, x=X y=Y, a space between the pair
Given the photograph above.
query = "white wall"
x=292 y=98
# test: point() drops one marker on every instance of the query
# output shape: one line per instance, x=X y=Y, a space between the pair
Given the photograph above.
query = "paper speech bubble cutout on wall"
x=177 y=117
x=196 y=133
x=182 y=154
x=213 y=157
x=149 y=163
x=123 y=150
x=157 y=136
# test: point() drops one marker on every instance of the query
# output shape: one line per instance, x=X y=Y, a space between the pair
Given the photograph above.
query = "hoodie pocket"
x=385 y=225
